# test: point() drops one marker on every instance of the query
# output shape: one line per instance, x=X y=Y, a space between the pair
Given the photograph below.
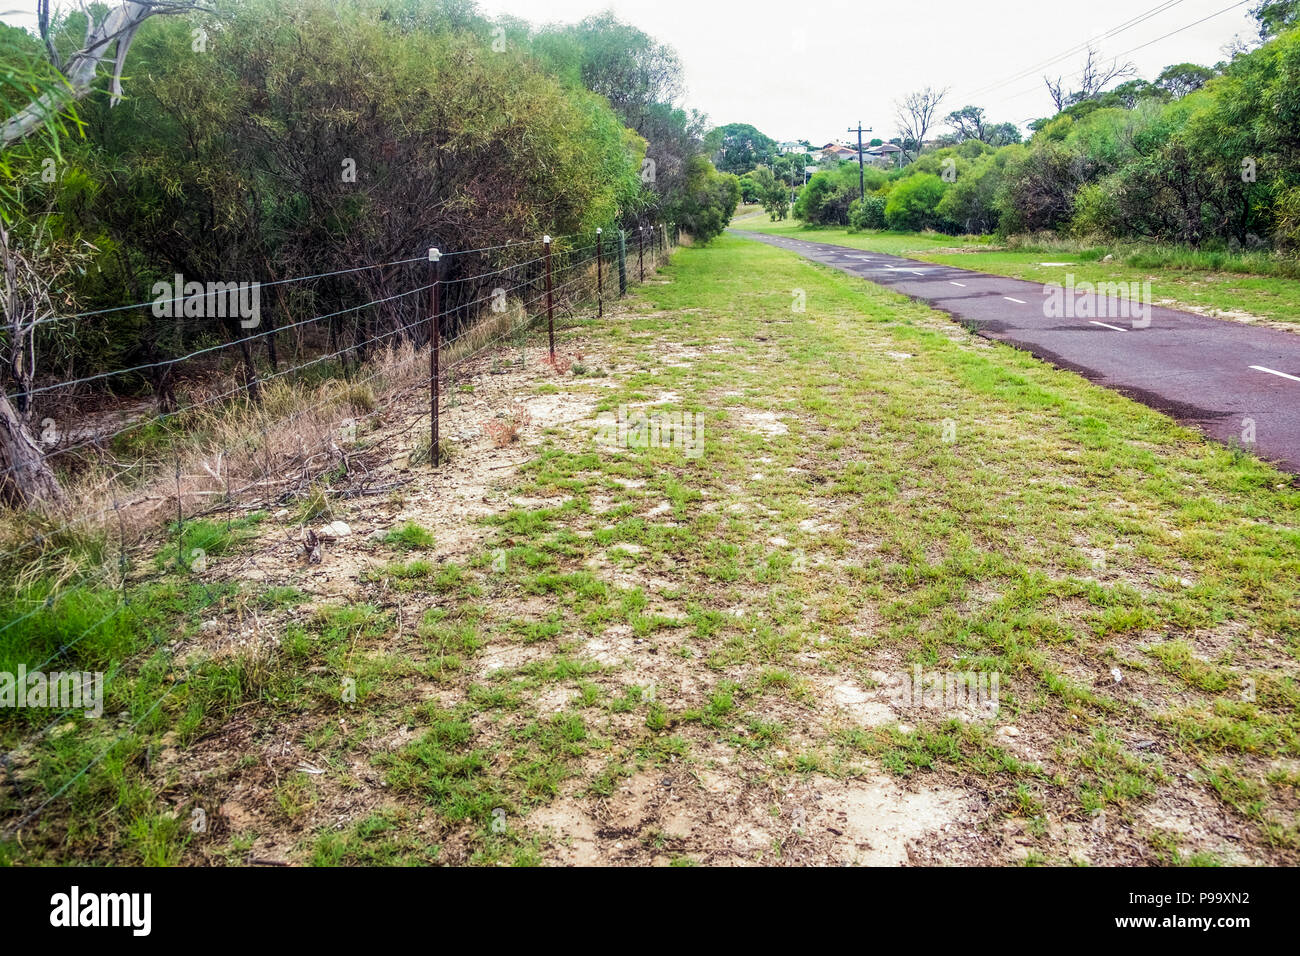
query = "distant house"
x=884 y=155
x=840 y=152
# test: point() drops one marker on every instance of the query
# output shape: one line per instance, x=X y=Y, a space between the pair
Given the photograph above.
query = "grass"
x=409 y=537
x=634 y=616
x=1213 y=283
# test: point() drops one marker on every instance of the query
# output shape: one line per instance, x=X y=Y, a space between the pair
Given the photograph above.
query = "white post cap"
x=546 y=239
x=434 y=254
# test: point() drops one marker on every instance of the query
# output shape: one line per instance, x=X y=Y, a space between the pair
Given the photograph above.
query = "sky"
x=810 y=69
x=813 y=68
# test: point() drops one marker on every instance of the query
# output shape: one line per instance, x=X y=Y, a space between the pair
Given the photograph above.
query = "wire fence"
x=459 y=306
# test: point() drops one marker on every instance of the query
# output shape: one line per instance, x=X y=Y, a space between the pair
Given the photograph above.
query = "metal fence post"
x=600 y=302
x=640 y=251
x=435 y=346
x=622 y=262
x=550 y=304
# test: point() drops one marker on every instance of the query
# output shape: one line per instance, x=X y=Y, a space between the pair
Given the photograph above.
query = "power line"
x=1240 y=3
x=1112 y=32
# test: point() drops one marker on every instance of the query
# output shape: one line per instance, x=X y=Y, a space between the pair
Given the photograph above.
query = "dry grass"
x=505 y=430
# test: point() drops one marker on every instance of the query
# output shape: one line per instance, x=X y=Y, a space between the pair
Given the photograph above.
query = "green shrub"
x=867 y=213
x=913 y=203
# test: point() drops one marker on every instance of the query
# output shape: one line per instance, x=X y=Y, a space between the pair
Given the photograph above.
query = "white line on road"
x=962 y=284
x=1105 y=326
x=1272 y=371
x=1017 y=301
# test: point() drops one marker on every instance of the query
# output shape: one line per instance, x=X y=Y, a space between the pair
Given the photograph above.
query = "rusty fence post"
x=550 y=303
x=640 y=251
x=600 y=290
x=622 y=263
x=435 y=346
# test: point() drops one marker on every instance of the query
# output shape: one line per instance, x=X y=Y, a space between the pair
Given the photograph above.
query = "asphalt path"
x=1232 y=381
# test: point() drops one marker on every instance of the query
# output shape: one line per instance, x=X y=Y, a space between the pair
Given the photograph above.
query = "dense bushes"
x=1200 y=157
x=829 y=193
x=313 y=136
x=867 y=213
x=706 y=205
x=913 y=203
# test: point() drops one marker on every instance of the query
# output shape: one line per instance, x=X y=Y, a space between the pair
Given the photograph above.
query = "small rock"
x=1114 y=672
x=336 y=529
x=1008 y=731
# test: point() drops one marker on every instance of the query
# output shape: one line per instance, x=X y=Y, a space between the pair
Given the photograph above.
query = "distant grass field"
x=1177 y=281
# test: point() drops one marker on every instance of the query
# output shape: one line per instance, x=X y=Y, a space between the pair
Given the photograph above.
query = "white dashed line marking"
x=1105 y=326
x=1017 y=301
x=962 y=284
x=1273 y=371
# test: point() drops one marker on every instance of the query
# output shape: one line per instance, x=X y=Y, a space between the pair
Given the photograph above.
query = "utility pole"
x=862 y=181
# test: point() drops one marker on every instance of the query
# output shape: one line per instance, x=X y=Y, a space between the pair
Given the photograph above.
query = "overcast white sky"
x=809 y=69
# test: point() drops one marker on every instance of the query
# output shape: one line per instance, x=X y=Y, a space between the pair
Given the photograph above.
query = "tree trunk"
x=116 y=29
x=25 y=479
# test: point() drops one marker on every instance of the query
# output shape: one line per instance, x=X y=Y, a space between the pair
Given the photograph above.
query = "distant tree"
x=967 y=123
x=1183 y=78
x=916 y=115
x=708 y=202
x=1092 y=79
x=1002 y=134
x=773 y=194
x=750 y=190
x=1276 y=16
x=739 y=147
x=1129 y=94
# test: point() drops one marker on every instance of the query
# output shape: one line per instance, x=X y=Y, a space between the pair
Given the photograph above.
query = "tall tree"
x=1182 y=78
x=967 y=123
x=1276 y=16
x=739 y=147
x=916 y=115
x=1090 y=81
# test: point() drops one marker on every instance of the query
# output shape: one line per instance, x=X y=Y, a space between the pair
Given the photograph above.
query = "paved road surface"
x=1210 y=373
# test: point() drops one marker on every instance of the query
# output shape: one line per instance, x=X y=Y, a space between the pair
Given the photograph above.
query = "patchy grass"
x=642 y=656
